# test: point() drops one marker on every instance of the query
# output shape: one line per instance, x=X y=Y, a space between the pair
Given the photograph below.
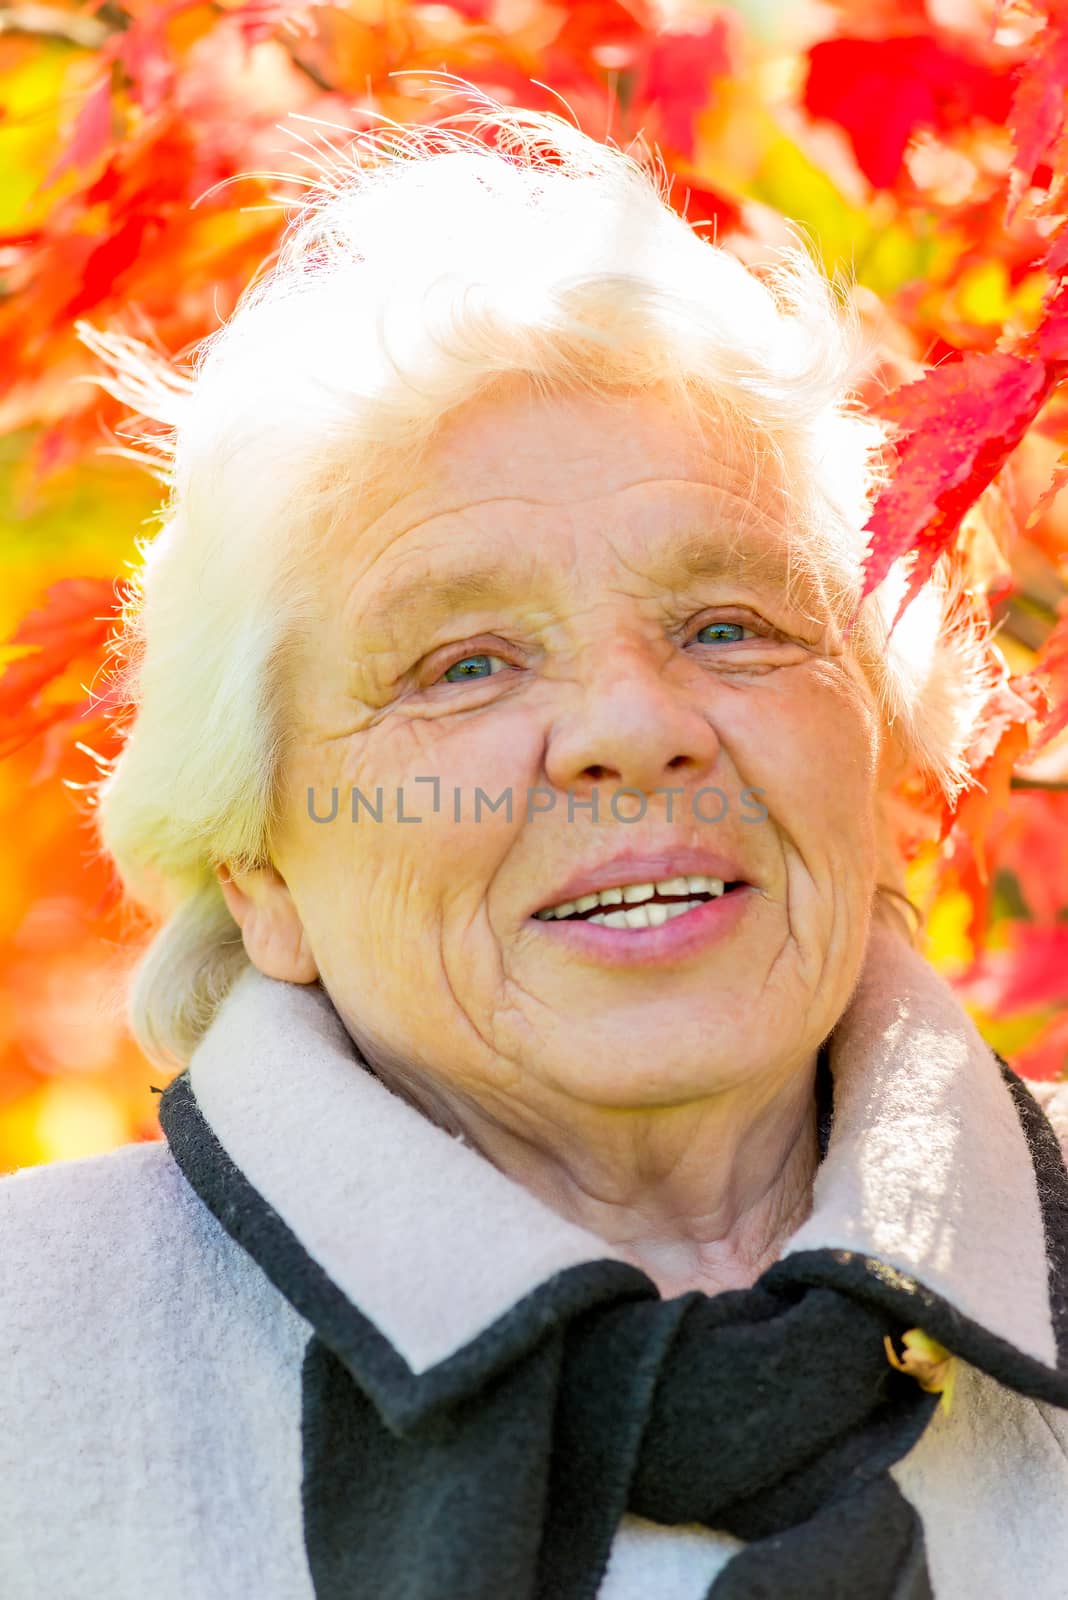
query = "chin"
x=637 y=1069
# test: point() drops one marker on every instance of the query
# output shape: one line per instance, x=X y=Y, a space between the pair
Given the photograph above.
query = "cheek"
x=439 y=802
x=467 y=781
x=814 y=750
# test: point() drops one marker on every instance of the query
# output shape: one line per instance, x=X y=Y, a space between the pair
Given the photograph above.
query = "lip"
x=669 y=945
x=649 y=867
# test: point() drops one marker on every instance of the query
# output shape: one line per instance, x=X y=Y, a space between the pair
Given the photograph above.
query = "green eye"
x=479 y=666
x=711 y=627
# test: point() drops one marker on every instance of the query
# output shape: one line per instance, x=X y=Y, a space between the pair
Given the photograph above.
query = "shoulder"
x=67 y=1207
x=99 y=1236
x=119 y=1239
x=114 y=1269
x=146 y=1362
x=27 y=1189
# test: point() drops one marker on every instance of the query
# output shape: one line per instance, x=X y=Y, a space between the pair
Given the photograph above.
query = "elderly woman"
x=575 y=1184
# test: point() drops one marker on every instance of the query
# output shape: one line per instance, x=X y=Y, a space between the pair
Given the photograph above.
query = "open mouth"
x=641 y=905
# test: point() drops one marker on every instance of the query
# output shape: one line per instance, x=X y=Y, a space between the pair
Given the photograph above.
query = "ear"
x=262 y=906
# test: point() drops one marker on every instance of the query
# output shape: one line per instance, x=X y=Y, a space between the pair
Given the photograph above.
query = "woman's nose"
x=633 y=728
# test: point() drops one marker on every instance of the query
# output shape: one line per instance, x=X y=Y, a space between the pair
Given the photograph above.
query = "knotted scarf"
x=771 y=1413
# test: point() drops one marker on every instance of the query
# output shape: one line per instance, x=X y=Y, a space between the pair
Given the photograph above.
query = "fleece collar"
x=942 y=1191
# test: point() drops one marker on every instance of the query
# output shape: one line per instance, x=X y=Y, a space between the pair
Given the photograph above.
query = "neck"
x=701 y=1195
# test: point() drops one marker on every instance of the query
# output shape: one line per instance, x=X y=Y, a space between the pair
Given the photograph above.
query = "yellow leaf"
x=984 y=294
x=929 y=1362
x=948 y=947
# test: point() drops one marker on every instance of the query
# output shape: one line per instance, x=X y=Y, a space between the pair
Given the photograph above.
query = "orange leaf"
x=977 y=808
x=1052 y=666
x=74 y=622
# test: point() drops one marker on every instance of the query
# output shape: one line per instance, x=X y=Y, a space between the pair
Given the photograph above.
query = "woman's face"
x=575 y=596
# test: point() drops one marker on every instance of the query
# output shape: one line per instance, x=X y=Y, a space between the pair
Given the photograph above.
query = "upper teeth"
x=636 y=895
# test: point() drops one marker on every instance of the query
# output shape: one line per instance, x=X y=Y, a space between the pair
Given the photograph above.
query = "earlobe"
x=273 y=934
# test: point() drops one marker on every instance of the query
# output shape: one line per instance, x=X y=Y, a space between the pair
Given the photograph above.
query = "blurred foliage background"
x=149 y=153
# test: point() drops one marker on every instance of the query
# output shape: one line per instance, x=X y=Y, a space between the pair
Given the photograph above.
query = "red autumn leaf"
x=961 y=421
x=882 y=90
x=591 y=25
x=142 y=50
x=23 y=679
x=1051 y=491
x=1036 y=114
x=707 y=211
x=1052 y=665
x=474 y=10
x=1049 y=341
x=1036 y=974
x=92 y=133
x=676 y=74
x=55 y=730
x=162 y=174
x=34 y=724
x=1031 y=845
x=74 y=622
x=59 y=755
x=109 y=261
x=1056 y=259
x=261 y=19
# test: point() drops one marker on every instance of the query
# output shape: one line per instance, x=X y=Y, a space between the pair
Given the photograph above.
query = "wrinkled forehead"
x=510 y=434
x=513 y=486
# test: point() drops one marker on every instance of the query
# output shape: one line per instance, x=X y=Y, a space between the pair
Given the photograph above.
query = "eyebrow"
x=427 y=597
x=700 y=557
x=697 y=555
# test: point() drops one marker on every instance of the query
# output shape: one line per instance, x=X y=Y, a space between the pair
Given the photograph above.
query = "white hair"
x=423 y=266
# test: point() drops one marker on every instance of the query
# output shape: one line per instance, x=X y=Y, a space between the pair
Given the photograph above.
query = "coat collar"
x=942 y=1187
